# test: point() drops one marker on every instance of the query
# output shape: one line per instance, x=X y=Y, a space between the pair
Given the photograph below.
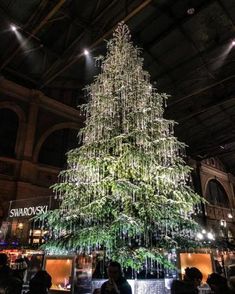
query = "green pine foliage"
x=125 y=190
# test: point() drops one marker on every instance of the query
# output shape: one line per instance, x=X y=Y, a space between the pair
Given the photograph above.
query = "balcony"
x=218 y=212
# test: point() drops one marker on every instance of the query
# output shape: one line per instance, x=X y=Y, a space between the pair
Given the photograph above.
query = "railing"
x=218 y=212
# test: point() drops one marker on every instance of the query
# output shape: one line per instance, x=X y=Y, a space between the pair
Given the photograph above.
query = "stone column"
x=28 y=172
x=31 y=125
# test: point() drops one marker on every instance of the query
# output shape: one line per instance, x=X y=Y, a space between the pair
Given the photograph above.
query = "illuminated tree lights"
x=125 y=189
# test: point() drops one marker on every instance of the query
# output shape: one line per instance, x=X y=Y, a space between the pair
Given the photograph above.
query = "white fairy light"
x=200 y=236
x=210 y=236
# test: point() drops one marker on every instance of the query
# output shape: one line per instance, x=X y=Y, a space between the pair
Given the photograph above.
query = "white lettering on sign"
x=28 y=211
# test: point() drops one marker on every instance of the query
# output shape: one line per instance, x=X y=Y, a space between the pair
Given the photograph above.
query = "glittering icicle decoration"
x=124 y=190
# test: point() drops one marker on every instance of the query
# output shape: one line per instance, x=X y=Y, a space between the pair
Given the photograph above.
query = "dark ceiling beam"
x=209 y=149
x=228 y=114
x=134 y=12
x=215 y=136
x=69 y=51
x=190 y=40
x=78 y=22
x=188 y=60
x=195 y=131
x=205 y=108
x=42 y=5
x=209 y=133
x=59 y=18
x=223 y=152
x=87 y=24
x=44 y=21
x=201 y=90
x=66 y=84
x=180 y=22
x=21 y=25
x=225 y=10
x=102 y=13
x=21 y=75
x=156 y=60
x=67 y=37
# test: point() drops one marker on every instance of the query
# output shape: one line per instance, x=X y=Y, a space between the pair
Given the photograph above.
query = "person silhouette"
x=116 y=284
x=218 y=284
x=189 y=285
x=40 y=283
x=9 y=282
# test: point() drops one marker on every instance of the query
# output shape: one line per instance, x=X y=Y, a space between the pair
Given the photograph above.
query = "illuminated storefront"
x=23 y=229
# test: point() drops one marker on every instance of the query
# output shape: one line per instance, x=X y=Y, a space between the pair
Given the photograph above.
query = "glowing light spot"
x=13 y=28
x=86 y=52
x=210 y=236
x=200 y=236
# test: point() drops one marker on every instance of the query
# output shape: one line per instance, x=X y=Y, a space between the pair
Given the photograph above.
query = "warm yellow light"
x=20 y=226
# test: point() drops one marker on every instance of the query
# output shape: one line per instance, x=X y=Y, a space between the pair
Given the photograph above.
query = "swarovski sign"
x=28 y=211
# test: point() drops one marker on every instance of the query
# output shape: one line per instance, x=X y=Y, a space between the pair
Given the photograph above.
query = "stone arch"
x=45 y=135
x=21 y=125
x=226 y=193
x=14 y=107
x=218 y=180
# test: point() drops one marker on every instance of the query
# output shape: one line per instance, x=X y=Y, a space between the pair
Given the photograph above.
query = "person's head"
x=3 y=259
x=41 y=280
x=114 y=270
x=217 y=282
x=193 y=275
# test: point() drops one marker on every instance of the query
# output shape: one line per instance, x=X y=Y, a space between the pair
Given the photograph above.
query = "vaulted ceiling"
x=187 y=48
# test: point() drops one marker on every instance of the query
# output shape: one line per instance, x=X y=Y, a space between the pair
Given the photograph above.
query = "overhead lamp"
x=13 y=28
x=191 y=11
x=86 y=52
x=233 y=42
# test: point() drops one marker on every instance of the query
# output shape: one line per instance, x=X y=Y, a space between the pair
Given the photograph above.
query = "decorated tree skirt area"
x=82 y=274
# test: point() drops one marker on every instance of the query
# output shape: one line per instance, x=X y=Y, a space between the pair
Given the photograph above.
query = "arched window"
x=216 y=194
x=54 y=149
x=9 y=123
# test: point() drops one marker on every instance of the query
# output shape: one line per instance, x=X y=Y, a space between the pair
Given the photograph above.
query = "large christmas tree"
x=125 y=190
